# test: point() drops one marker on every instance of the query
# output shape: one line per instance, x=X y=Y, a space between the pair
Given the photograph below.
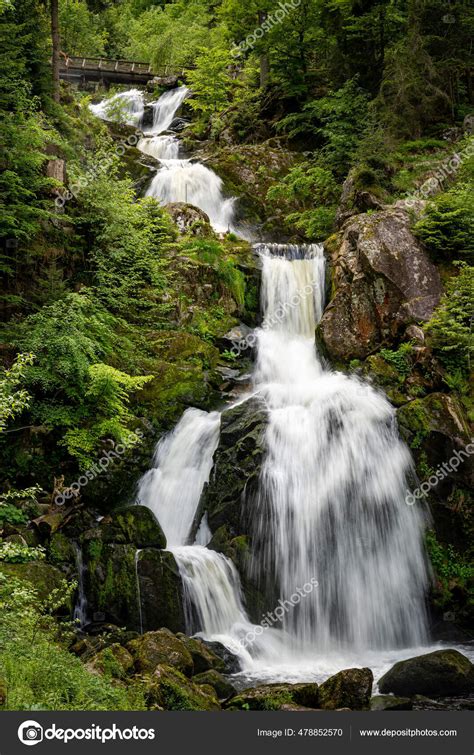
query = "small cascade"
x=181 y=466
x=126 y=107
x=164 y=109
x=160 y=147
x=193 y=183
x=139 y=597
x=80 y=609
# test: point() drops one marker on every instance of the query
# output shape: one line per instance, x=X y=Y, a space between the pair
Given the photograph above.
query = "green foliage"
x=38 y=670
x=210 y=82
x=13 y=399
x=10 y=514
x=16 y=553
x=451 y=569
x=447 y=228
x=400 y=359
x=82 y=32
x=212 y=253
x=450 y=327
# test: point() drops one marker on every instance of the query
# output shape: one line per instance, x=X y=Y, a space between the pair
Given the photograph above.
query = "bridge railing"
x=116 y=66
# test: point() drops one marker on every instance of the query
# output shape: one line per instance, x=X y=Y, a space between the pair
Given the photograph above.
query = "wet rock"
x=383 y=280
x=160 y=647
x=231 y=661
x=390 y=702
x=190 y=219
x=223 y=689
x=204 y=658
x=169 y=689
x=161 y=590
x=274 y=696
x=136 y=525
x=350 y=688
x=442 y=673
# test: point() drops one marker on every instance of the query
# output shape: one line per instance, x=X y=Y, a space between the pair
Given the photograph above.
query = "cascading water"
x=127 y=107
x=331 y=503
x=80 y=609
x=330 y=511
x=176 y=180
x=193 y=183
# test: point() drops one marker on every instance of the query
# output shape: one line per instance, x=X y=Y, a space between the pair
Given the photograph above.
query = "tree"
x=55 y=47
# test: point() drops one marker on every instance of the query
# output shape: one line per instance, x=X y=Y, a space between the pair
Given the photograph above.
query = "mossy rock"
x=390 y=702
x=169 y=689
x=114 y=661
x=61 y=549
x=44 y=577
x=439 y=674
x=161 y=591
x=135 y=525
x=222 y=688
x=350 y=688
x=110 y=582
x=273 y=696
x=204 y=659
x=231 y=661
x=161 y=647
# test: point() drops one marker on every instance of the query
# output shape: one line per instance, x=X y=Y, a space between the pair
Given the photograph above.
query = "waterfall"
x=139 y=595
x=164 y=109
x=160 y=147
x=331 y=504
x=80 y=609
x=176 y=180
x=126 y=107
x=193 y=183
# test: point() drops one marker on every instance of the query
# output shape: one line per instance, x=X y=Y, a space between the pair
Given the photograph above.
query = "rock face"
x=155 y=648
x=274 y=696
x=350 y=688
x=382 y=281
x=204 y=658
x=136 y=525
x=440 y=674
x=390 y=702
x=126 y=582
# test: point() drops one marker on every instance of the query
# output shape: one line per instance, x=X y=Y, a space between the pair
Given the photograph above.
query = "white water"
x=164 y=109
x=193 y=183
x=126 y=107
x=176 y=180
x=80 y=609
x=331 y=504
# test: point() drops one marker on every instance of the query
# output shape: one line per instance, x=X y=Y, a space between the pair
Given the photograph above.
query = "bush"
x=39 y=672
x=447 y=228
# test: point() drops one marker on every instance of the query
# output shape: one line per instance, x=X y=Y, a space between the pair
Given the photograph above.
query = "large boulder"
x=43 y=577
x=274 y=696
x=169 y=689
x=114 y=661
x=230 y=660
x=390 y=702
x=439 y=674
x=161 y=590
x=204 y=658
x=155 y=648
x=382 y=280
x=350 y=688
x=136 y=525
x=190 y=220
x=222 y=687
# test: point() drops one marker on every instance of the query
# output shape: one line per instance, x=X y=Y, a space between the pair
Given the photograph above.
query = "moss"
x=171 y=690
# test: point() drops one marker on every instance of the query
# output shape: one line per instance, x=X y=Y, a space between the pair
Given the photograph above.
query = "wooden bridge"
x=81 y=70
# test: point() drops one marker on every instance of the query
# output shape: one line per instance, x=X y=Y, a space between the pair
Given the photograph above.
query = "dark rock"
x=350 y=688
x=273 y=696
x=442 y=673
x=354 y=200
x=44 y=577
x=383 y=281
x=169 y=689
x=231 y=661
x=204 y=658
x=390 y=702
x=155 y=648
x=135 y=525
x=161 y=590
x=222 y=687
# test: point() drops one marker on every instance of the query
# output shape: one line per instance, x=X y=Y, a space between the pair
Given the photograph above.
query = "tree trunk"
x=264 y=62
x=55 y=52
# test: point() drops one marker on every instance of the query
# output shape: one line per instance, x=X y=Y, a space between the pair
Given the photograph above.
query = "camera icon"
x=30 y=733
